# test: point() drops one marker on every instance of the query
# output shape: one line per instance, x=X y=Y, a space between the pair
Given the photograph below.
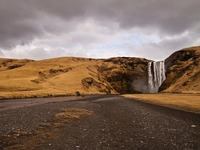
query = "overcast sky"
x=40 y=29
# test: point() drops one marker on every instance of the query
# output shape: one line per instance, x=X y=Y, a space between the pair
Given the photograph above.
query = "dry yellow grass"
x=186 y=102
x=66 y=75
x=184 y=75
x=58 y=76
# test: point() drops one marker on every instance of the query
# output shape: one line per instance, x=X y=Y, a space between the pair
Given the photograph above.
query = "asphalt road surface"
x=117 y=123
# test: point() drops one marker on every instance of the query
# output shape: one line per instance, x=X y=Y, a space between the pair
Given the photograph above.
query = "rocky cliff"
x=125 y=75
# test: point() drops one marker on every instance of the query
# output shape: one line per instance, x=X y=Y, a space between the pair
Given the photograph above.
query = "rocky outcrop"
x=9 y=64
x=91 y=83
x=182 y=71
x=125 y=74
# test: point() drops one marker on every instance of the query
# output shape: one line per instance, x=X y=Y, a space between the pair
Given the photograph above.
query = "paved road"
x=117 y=123
x=18 y=103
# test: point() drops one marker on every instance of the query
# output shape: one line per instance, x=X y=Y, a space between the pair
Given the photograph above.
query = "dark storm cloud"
x=18 y=23
x=22 y=21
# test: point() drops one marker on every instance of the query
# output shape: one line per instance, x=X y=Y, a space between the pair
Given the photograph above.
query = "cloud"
x=1 y=54
x=166 y=46
x=105 y=28
x=35 y=53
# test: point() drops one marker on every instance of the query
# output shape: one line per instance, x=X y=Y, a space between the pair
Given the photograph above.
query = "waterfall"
x=156 y=75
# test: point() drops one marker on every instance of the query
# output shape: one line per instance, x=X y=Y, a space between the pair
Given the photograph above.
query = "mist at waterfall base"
x=156 y=76
x=141 y=86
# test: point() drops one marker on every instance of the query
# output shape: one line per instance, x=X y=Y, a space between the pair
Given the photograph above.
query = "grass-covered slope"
x=76 y=76
x=69 y=76
x=183 y=71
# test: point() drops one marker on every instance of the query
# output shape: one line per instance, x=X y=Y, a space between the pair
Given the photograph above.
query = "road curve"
x=117 y=123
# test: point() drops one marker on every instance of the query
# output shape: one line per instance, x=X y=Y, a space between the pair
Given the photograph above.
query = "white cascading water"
x=156 y=75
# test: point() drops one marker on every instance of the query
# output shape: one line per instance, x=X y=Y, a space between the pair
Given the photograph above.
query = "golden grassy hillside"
x=66 y=76
x=183 y=71
x=79 y=76
x=46 y=77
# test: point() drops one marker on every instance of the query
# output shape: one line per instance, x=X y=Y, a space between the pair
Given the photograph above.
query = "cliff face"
x=125 y=75
x=182 y=71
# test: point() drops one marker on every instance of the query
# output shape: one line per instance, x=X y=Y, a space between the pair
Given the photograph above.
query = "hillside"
x=75 y=76
x=70 y=76
x=183 y=71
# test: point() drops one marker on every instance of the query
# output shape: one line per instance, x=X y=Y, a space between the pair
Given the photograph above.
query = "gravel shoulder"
x=116 y=123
